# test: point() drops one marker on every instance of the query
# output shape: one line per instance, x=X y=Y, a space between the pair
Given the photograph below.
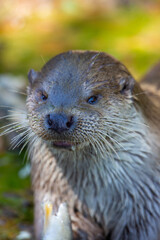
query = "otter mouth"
x=63 y=144
x=68 y=145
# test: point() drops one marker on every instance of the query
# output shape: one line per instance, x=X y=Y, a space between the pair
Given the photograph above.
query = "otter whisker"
x=10 y=124
x=120 y=128
x=12 y=112
x=14 y=115
x=18 y=111
x=115 y=133
x=124 y=130
x=100 y=146
x=12 y=129
x=95 y=145
x=21 y=134
x=11 y=107
x=124 y=120
x=29 y=148
x=16 y=91
x=115 y=141
x=140 y=93
x=18 y=140
x=17 y=144
x=121 y=132
x=25 y=143
x=123 y=127
x=105 y=148
x=91 y=63
x=43 y=59
x=110 y=145
x=7 y=117
x=32 y=144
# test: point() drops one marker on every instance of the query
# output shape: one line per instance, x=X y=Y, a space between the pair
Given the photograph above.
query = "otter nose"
x=59 y=122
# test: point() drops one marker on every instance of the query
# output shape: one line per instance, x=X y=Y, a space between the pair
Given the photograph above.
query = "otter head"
x=77 y=98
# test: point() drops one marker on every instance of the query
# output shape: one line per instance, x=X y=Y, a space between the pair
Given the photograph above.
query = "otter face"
x=75 y=93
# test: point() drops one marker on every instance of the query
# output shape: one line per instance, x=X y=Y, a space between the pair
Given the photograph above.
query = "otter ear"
x=126 y=85
x=32 y=76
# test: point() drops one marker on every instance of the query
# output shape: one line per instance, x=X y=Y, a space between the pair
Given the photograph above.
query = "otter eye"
x=41 y=95
x=44 y=96
x=92 y=100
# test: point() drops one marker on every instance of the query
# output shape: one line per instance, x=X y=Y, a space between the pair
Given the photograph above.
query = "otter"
x=94 y=141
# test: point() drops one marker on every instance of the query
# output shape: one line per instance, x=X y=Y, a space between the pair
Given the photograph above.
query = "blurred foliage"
x=31 y=32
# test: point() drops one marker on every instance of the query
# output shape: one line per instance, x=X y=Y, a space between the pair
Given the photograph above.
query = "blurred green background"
x=31 y=32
